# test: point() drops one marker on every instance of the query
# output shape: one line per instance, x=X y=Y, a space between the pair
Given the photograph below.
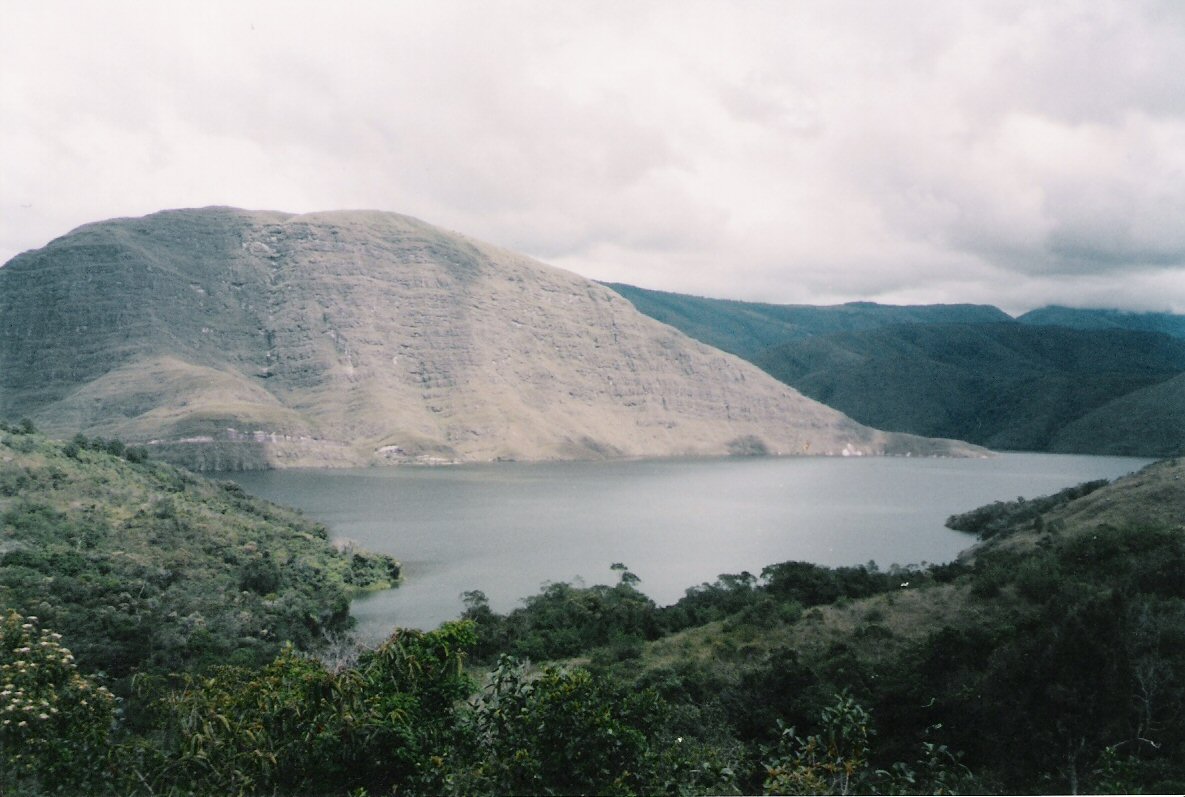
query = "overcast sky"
x=1018 y=154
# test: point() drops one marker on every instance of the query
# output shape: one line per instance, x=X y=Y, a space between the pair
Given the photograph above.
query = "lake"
x=509 y=528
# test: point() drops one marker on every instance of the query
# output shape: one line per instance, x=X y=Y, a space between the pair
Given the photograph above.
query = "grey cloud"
x=814 y=151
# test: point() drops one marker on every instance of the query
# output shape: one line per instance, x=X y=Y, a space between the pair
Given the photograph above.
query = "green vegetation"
x=55 y=723
x=1077 y=318
x=1056 y=379
x=747 y=329
x=142 y=566
x=1001 y=517
x=1005 y=386
x=1051 y=658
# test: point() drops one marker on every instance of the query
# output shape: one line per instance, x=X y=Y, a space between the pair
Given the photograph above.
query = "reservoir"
x=507 y=529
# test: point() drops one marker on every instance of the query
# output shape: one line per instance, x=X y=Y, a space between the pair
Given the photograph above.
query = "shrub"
x=55 y=724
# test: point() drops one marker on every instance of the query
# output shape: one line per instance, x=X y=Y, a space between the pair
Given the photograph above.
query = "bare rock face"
x=228 y=339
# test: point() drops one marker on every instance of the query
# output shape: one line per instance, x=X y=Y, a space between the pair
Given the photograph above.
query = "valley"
x=507 y=529
x=402 y=628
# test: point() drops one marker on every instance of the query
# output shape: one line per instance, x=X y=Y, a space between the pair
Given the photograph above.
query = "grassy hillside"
x=1005 y=386
x=147 y=567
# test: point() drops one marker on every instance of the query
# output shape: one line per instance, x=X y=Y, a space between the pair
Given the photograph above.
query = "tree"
x=837 y=760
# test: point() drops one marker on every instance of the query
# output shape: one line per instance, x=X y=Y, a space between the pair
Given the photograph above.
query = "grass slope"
x=145 y=566
x=1052 y=654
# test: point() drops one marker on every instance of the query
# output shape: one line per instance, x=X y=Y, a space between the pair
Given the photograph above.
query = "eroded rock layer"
x=227 y=338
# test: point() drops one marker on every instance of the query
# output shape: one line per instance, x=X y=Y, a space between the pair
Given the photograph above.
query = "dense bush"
x=55 y=724
x=559 y=731
x=294 y=727
x=564 y=620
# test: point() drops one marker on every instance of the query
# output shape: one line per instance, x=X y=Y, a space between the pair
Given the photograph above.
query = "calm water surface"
x=508 y=529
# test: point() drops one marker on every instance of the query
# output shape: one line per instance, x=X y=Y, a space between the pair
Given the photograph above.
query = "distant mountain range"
x=226 y=338
x=747 y=329
x=1055 y=379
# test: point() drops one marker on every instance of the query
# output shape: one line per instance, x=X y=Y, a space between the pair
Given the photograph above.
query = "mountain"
x=1055 y=379
x=226 y=338
x=747 y=329
x=1145 y=422
x=1007 y=386
x=1075 y=318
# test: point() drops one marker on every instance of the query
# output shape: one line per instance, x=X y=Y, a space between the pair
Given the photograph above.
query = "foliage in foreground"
x=1075 y=687
x=405 y=718
x=294 y=727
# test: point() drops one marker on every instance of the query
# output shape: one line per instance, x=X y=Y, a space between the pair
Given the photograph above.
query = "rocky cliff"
x=226 y=338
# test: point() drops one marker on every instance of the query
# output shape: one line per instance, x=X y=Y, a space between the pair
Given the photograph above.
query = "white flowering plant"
x=55 y=723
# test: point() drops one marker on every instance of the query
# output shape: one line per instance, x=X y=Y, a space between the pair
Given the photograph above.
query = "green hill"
x=148 y=567
x=1049 y=658
x=1079 y=318
x=1055 y=379
x=1145 y=422
x=1005 y=386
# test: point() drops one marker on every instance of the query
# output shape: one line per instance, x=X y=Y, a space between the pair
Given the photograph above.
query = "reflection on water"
x=507 y=529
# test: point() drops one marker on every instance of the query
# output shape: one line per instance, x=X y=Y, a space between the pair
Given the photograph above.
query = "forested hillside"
x=1079 y=318
x=146 y=567
x=1005 y=386
x=1055 y=379
x=749 y=328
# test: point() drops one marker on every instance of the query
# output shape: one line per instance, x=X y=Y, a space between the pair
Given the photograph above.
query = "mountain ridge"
x=228 y=338
x=748 y=328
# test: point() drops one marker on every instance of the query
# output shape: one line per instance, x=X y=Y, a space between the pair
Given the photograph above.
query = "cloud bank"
x=1012 y=153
